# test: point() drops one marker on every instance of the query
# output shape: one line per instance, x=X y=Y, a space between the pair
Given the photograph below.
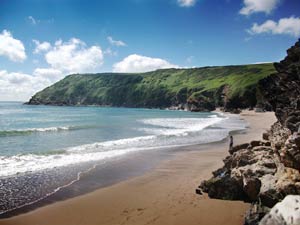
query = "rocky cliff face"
x=264 y=172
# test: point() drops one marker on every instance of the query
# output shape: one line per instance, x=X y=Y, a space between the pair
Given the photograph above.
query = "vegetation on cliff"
x=196 y=89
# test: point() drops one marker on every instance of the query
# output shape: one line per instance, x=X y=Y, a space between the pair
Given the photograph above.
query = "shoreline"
x=168 y=189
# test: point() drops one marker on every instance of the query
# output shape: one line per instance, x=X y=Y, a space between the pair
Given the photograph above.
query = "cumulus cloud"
x=74 y=56
x=41 y=46
x=51 y=74
x=289 y=26
x=115 y=42
x=20 y=86
x=11 y=48
x=255 y=6
x=186 y=3
x=137 y=63
x=63 y=58
x=110 y=52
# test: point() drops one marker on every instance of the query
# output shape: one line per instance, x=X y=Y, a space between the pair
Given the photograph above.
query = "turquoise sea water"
x=35 y=139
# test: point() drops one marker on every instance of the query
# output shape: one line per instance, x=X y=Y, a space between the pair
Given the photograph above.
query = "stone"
x=286 y=212
x=255 y=214
x=251 y=186
x=255 y=143
x=198 y=192
x=226 y=188
x=238 y=147
x=265 y=136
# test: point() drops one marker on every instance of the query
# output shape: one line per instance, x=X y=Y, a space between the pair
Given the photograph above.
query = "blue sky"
x=41 y=41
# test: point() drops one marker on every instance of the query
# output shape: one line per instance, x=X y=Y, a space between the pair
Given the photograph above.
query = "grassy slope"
x=161 y=88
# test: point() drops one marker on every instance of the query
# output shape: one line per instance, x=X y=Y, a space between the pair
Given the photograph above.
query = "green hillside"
x=196 y=88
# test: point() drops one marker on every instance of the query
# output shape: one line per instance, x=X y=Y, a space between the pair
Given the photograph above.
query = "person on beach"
x=231 y=142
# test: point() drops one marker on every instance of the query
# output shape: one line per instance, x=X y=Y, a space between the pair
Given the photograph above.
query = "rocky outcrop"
x=264 y=172
x=282 y=89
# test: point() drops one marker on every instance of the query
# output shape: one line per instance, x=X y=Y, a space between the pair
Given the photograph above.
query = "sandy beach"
x=165 y=195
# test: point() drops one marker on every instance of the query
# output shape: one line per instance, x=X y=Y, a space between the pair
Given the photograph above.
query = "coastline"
x=165 y=195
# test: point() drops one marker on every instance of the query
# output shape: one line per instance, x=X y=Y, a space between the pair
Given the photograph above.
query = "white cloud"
x=255 y=6
x=289 y=26
x=63 y=58
x=51 y=74
x=186 y=3
x=115 y=42
x=41 y=46
x=32 y=20
x=74 y=56
x=137 y=63
x=11 y=48
x=110 y=52
x=20 y=86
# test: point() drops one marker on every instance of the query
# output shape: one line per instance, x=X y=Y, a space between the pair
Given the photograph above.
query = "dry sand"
x=163 y=196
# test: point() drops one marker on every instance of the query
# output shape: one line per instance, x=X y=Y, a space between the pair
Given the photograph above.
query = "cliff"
x=197 y=89
x=264 y=172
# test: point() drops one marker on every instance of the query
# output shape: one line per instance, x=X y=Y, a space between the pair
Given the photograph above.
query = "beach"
x=164 y=195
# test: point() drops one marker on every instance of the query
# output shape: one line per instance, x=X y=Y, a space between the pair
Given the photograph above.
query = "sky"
x=42 y=41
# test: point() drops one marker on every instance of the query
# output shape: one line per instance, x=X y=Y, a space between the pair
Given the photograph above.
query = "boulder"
x=286 y=212
x=265 y=136
x=251 y=186
x=226 y=188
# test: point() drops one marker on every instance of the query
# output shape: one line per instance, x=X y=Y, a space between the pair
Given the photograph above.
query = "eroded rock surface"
x=264 y=172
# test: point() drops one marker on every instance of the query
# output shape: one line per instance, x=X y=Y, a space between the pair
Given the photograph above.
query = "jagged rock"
x=226 y=188
x=251 y=186
x=255 y=214
x=286 y=212
x=238 y=147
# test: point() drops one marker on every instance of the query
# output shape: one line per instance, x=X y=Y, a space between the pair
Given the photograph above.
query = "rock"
x=267 y=143
x=270 y=197
x=226 y=188
x=297 y=141
x=255 y=214
x=262 y=148
x=238 y=147
x=198 y=192
x=286 y=212
x=265 y=136
x=251 y=186
x=255 y=143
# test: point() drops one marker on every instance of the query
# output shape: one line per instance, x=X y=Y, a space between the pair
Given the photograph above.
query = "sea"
x=44 y=149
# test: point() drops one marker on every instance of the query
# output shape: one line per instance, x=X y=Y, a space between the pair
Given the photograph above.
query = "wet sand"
x=165 y=195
